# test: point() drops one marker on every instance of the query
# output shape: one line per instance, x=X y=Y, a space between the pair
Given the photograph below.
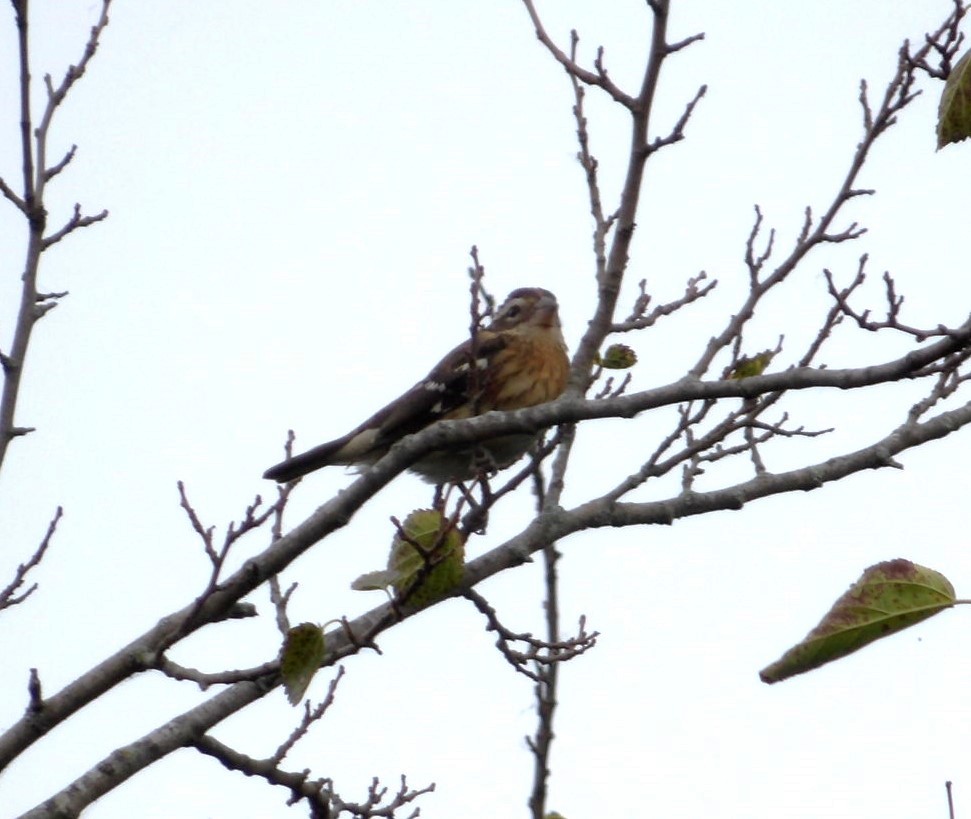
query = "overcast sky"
x=294 y=188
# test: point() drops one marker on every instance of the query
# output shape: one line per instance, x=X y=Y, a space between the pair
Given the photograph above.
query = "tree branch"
x=9 y=596
x=552 y=525
x=36 y=174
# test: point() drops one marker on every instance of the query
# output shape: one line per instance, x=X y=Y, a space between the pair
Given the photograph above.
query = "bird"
x=518 y=360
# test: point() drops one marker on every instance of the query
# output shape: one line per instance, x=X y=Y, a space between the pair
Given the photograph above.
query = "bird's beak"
x=546 y=312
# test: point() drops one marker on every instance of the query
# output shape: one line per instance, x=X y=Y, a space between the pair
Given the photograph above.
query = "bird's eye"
x=513 y=311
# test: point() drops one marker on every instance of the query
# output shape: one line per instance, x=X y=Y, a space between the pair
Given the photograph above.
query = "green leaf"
x=954 y=111
x=888 y=598
x=748 y=367
x=618 y=357
x=436 y=565
x=428 y=551
x=374 y=581
x=303 y=652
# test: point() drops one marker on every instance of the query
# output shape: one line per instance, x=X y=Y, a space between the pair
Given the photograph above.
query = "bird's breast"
x=532 y=371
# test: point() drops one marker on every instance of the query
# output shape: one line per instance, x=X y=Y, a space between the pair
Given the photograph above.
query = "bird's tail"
x=309 y=461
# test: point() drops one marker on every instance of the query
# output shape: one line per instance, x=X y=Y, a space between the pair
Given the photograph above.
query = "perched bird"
x=518 y=360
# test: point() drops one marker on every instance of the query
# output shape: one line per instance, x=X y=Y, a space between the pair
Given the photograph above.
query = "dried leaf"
x=888 y=598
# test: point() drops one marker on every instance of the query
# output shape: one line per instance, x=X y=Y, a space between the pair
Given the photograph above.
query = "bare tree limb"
x=707 y=430
x=206 y=679
x=599 y=78
x=540 y=653
x=552 y=525
x=310 y=716
x=897 y=96
x=9 y=596
x=76 y=221
x=338 y=511
x=36 y=174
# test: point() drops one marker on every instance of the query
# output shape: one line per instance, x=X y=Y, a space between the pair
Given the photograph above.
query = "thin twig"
x=9 y=596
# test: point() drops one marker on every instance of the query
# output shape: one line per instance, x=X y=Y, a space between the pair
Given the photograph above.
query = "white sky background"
x=293 y=189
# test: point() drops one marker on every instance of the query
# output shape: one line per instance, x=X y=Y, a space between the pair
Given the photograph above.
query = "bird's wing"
x=443 y=393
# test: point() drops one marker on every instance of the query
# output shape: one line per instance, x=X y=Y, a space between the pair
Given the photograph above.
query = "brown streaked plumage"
x=520 y=360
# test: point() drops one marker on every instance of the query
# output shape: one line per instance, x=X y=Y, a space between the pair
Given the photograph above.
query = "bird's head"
x=531 y=307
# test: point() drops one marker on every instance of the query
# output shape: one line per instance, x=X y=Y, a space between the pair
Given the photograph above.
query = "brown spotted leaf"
x=888 y=598
x=618 y=357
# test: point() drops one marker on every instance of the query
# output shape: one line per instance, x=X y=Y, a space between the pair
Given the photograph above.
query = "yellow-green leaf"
x=428 y=551
x=437 y=564
x=618 y=357
x=888 y=598
x=954 y=111
x=748 y=367
x=303 y=652
x=374 y=581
